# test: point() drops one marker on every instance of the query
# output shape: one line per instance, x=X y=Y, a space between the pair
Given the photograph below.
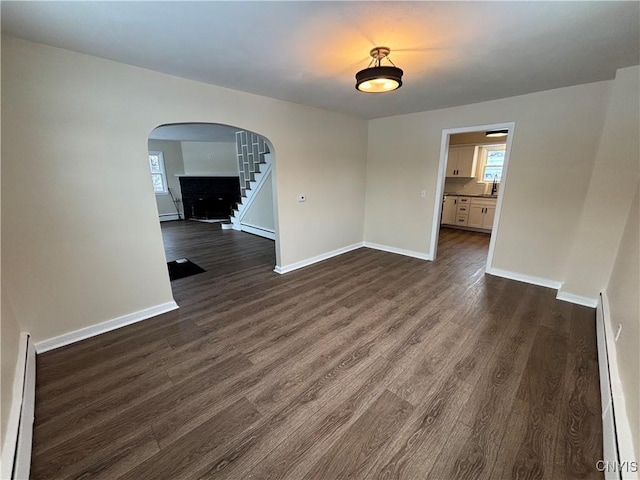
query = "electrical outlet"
x=618 y=331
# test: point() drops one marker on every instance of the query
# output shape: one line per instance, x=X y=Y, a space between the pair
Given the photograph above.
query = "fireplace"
x=209 y=198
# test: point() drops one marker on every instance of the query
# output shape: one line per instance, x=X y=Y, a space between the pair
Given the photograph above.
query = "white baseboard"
x=399 y=251
x=16 y=453
x=93 y=330
x=261 y=232
x=577 y=299
x=167 y=217
x=618 y=440
x=542 y=282
x=316 y=259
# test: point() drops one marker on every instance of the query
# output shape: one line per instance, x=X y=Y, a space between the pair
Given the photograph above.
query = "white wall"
x=260 y=212
x=622 y=292
x=173 y=163
x=210 y=158
x=556 y=136
x=611 y=189
x=81 y=233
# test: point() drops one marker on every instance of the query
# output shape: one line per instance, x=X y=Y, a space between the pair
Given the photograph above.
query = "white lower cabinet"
x=481 y=213
x=489 y=215
x=449 y=206
x=462 y=212
x=476 y=216
x=472 y=212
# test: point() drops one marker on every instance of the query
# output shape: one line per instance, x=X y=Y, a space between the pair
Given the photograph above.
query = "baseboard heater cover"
x=259 y=231
x=16 y=454
x=168 y=217
x=618 y=462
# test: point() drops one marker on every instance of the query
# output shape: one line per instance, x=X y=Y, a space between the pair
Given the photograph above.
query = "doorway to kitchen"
x=472 y=177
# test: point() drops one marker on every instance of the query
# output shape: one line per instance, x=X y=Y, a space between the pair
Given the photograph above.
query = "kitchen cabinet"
x=461 y=161
x=449 y=207
x=455 y=210
x=481 y=213
x=462 y=212
x=468 y=211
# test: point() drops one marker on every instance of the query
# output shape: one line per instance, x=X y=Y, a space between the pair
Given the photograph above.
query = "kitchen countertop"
x=484 y=195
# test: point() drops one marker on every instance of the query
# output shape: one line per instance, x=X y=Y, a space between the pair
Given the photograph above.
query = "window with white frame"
x=158 y=173
x=493 y=163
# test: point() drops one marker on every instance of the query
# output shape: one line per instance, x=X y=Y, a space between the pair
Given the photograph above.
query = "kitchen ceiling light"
x=377 y=78
x=497 y=133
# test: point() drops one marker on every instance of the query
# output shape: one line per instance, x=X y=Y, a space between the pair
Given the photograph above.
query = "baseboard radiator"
x=169 y=217
x=618 y=462
x=16 y=452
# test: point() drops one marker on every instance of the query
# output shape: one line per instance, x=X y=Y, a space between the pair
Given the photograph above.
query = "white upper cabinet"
x=461 y=161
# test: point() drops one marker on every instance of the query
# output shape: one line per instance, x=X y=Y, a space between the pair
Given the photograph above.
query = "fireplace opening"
x=209 y=198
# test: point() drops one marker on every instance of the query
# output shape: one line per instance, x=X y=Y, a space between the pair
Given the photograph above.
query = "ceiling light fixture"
x=377 y=78
x=497 y=133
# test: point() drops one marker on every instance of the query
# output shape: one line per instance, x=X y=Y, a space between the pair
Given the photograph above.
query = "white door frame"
x=442 y=172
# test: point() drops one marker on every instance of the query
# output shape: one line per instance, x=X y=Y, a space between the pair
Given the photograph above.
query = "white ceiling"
x=195 y=132
x=453 y=53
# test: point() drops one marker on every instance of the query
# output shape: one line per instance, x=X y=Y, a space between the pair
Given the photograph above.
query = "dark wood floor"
x=368 y=365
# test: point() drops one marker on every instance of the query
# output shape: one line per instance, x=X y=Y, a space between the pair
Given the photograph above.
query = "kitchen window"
x=493 y=163
x=158 y=173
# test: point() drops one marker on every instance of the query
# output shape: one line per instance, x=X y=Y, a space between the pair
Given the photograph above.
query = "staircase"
x=254 y=164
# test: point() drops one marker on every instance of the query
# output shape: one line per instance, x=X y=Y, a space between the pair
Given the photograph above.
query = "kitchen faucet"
x=494 y=186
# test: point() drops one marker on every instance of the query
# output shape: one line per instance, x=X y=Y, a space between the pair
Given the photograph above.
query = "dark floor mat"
x=182 y=268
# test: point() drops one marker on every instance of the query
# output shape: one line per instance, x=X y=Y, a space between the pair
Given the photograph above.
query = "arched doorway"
x=218 y=176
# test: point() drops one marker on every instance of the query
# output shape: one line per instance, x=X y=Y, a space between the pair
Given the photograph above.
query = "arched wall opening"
x=214 y=173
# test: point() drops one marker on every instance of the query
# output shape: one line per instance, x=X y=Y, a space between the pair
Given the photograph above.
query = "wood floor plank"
x=527 y=448
x=87 y=386
x=332 y=353
x=195 y=449
x=124 y=423
x=351 y=456
x=548 y=354
x=465 y=456
x=97 y=458
x=366 y=365
x=298 y=452
x=583 y=333
x=494 y=394
x=414 y=450
x=306 y=358
x=579 y=444
x=425 y=362
x=257 y=442
x=71 y=422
